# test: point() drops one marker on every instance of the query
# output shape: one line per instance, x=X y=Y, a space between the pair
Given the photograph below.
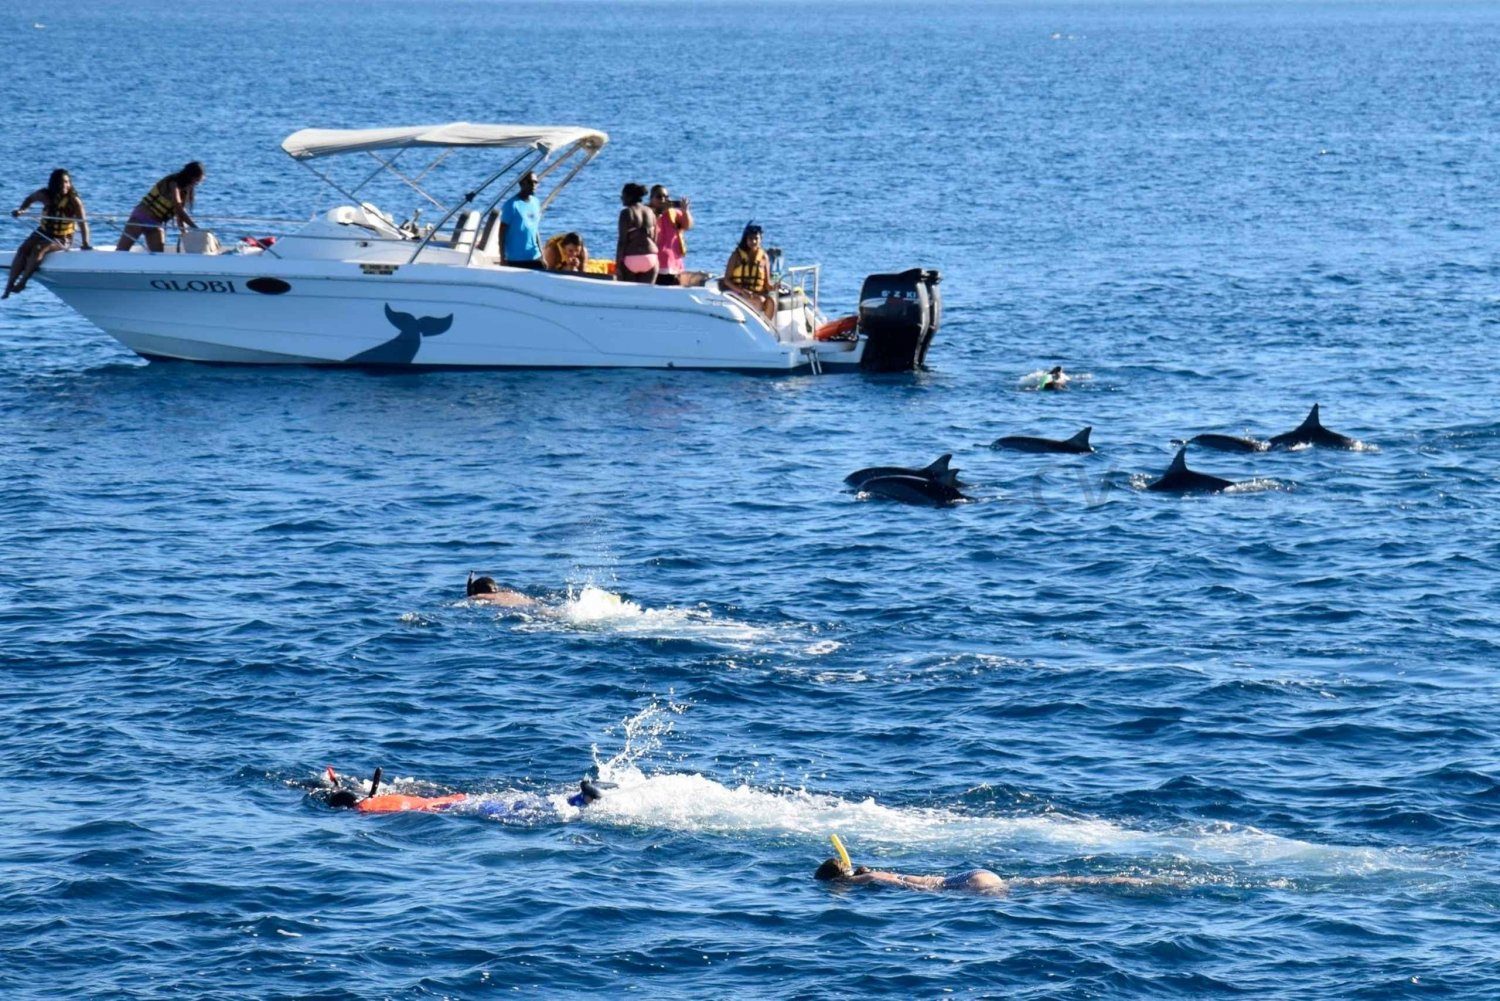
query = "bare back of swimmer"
x=486 y=590
x=973 y=881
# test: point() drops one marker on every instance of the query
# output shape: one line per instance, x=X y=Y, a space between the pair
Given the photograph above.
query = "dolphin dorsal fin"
x=1082 y=438
x=1313 y=420
x=1179 y=462
x=938 y=467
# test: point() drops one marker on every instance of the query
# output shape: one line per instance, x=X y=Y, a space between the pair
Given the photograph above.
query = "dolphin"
x=1180 y=479
x=1312 y=432
x=937 y=471
x=401 y=349
x=1076 y=445
x=1224 y=443
x=912 y=490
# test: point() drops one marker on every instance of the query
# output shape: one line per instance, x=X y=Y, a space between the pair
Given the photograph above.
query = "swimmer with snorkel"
x=486 y=591
x=842 y=871
x=1054 y=380
x=340 y=798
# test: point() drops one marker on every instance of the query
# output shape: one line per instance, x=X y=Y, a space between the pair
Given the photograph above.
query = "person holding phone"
x=672 y=220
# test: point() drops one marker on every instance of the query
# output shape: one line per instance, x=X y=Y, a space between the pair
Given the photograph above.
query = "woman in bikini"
x=635 y=251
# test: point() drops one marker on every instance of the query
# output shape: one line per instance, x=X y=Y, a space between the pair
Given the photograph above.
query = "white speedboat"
x=354 y=287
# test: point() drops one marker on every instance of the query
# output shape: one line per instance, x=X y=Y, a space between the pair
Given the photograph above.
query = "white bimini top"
x=310 y=144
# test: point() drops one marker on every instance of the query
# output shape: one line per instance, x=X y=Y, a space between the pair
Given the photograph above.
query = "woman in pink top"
x=671 y=222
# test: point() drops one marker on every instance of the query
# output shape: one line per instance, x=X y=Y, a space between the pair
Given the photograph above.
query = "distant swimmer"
x=486 y=590
x=341 y=798
x=1055 y=379
x=842 y=871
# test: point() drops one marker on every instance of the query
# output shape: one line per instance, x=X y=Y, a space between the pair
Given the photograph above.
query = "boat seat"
x=364 y=216
x=198 y=241
x=489 y=239
x=465 y=225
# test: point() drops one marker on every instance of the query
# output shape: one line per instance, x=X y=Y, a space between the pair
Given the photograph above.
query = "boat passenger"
x=169 y=199
x=566 y=253
x=520 y=226
x=487 y=591
x=748 y=273
x=635 y=249
x=671 y=222
x=62 y=212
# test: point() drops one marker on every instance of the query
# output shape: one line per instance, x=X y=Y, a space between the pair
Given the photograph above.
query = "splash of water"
x=696 y=804
x=642 y=736
x=595 y=610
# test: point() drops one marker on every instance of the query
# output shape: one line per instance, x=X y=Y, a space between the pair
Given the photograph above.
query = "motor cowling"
x=899 y=314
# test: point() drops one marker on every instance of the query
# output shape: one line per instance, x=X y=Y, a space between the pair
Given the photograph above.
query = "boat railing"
x=234 y=234
x=105 y=229
x=797 y=278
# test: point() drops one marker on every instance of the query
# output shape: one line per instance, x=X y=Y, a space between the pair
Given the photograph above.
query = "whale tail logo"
x=402 y=349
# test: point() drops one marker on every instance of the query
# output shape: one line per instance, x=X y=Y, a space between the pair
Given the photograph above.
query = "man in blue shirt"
x=520 y=226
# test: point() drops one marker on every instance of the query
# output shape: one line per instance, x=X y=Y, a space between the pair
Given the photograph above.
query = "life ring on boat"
x=841 y=329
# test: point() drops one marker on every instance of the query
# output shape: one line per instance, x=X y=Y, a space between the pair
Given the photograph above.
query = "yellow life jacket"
x=747 y=271
x=158 y=202
x=58 y=216
x=555 y=245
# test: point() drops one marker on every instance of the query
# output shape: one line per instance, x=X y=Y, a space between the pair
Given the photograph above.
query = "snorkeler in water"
x=843 y=871
x=344 y=799
x=1054 y=380
x=485 y=589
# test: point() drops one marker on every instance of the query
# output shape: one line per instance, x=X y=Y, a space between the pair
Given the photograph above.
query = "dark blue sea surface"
x=1276 y=707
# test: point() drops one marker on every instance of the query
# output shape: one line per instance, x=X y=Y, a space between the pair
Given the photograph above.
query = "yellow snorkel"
x=838 y=846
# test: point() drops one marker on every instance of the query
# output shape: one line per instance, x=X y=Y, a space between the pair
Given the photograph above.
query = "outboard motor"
x=899 y=314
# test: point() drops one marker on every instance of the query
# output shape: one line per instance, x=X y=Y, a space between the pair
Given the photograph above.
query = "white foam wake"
x=696 y=804
x=592 y=609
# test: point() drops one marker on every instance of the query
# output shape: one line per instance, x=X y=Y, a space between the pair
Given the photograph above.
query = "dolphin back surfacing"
x=1311 y=432
x=1181 y=480
x=912 y=490
x=938 y=471
x=1076 y=445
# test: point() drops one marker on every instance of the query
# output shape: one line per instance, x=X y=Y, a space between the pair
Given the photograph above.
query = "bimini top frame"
x=535 y=145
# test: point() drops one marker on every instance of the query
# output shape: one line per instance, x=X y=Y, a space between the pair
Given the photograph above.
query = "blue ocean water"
x=1274 y=706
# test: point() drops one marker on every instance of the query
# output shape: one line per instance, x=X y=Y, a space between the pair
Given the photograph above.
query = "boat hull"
x=255 y=309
